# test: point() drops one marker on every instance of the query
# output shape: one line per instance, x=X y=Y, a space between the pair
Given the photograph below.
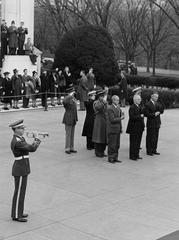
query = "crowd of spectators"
x=13 y=41
x=50 y=84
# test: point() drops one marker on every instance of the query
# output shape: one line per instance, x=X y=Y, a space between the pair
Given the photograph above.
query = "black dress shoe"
x=139 y=157
x=118 y=161
x=99 y=155
x=156 y=153
x=134 y=159
x=25 y=215
x=20 y=219
x=73 y=151
x=90 y=148
x=104 y=155
x=111 y=161
x=68 y=151
x=150 y=154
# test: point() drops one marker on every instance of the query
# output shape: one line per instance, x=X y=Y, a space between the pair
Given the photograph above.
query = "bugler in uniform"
x=20 y=169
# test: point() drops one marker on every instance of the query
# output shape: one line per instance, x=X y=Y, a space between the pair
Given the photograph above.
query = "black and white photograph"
x=89 y=113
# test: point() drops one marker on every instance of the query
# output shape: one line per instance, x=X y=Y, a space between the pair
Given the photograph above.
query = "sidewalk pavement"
x=81 y=197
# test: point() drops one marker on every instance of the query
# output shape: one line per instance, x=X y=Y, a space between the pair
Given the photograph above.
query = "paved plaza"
x=81 y=197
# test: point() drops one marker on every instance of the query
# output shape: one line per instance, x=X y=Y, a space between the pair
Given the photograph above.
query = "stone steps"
x=20 y=62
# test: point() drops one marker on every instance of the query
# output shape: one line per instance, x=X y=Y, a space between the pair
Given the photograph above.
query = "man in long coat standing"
x=135 y=128
x=83 y=90
x=99 y=131
x=153 y=110
x=4 y=38
x=89 y=120
x=13 y=40
x=17 y=87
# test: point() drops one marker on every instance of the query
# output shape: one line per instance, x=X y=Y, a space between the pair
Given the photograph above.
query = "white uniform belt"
x=21 y=157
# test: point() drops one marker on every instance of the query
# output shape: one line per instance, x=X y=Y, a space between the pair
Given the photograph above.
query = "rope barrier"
x=34 y=94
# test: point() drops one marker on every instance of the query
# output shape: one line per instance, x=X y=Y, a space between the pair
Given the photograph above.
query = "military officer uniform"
x=20 y=170
x=70 y=119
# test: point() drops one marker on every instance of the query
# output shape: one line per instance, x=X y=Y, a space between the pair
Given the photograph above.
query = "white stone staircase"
x=18 y=61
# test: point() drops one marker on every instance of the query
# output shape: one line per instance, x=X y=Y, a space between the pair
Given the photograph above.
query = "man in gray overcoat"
x=99 y=131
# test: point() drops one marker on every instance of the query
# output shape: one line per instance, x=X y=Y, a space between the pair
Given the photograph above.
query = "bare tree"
x=172 y=12
x=58 y=12
x=92 y=11
x=128 y=24
x=156 y=29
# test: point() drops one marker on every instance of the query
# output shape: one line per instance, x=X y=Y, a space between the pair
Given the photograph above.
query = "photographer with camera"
x=21 y=168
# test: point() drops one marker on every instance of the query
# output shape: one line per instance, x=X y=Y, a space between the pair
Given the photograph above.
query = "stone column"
x=19 y=10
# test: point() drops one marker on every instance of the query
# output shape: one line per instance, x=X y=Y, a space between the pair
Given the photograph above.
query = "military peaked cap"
x=17 y=124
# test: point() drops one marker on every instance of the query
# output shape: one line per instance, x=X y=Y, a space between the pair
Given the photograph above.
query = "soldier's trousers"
x=70 y=132
x=19 y=196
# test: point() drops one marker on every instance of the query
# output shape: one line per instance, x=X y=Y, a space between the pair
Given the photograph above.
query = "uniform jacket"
x=20 y=147
x=136 y=122
x=150 y=110
x=99 y=130
x=114 y=124
x=70 y=116
x=89 y=120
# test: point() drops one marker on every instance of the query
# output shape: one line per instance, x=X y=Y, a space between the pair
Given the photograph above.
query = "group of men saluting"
x=103 y=124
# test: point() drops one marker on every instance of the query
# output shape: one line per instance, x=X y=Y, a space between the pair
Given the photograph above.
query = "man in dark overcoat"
x=45 y=85
x=17 y=86
x=89 y=120
x=53 y=86
x=21 y=168
x=91 y=83
x=13 y=40
x=22 y=31
x=99 y=131
x=70 y=119
x=83 y=90
x=153 y=110
x=135 y=128
x=114 y=129
x=4 y=38
x=26 y=88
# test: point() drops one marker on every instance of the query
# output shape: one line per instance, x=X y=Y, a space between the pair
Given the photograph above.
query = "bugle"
x=37 y=134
